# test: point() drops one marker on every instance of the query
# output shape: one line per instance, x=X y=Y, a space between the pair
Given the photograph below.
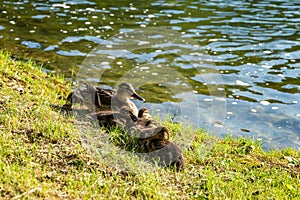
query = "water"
x=226 y=66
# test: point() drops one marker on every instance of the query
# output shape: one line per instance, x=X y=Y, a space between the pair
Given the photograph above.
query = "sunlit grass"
x=43 y=156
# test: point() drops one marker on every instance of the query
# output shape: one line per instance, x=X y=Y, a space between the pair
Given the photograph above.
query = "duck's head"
x=126 y=90
x=144 y=113
x=154 y=134
x=161 y=132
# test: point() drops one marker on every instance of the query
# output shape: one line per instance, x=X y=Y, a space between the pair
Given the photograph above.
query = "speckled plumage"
x=99 y=99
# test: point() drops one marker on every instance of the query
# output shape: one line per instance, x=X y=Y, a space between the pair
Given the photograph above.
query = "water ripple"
x=255 y=47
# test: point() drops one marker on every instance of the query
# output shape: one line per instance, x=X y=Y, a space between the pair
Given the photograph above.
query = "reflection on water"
x=254 y=46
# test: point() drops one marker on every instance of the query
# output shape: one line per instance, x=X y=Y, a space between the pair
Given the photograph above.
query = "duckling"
x=153 y=139
x=97 y=99
x=144 y=121
x=108 y=118
x=159 y=149
x=169 y=156
x=144 y=113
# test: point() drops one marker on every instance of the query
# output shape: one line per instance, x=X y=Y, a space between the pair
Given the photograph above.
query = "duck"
x=144 y=113
x=122 y=98
x=143 y=121
x=152 y=141
x=95 y=98
x=99 y=99
x=111 y=119
x=156 y=147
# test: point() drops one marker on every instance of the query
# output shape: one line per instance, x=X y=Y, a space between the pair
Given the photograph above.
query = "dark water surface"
x=226 y=66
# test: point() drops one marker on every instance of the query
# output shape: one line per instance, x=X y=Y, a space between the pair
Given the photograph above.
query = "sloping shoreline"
x=42 y=156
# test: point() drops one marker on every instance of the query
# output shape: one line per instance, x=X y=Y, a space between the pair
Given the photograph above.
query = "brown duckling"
x=108 y=118
x=144 y=113
x=159 y=149
x=144 y=121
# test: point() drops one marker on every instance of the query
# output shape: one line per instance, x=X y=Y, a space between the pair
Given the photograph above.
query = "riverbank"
x=42 y=156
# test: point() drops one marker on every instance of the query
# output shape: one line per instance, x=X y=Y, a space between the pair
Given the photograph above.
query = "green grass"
x=42 y=155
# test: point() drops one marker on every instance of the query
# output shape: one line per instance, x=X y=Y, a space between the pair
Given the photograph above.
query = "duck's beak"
x=136 y=96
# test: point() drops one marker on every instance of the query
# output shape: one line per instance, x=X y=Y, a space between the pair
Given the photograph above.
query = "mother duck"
x=99 y=99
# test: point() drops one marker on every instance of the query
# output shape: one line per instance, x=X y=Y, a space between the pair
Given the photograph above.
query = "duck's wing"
x=103 y=96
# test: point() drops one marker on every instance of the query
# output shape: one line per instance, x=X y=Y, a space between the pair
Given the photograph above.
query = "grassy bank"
x=42 y=156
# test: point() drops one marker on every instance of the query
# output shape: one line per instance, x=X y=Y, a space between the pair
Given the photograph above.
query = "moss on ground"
x=42 y=155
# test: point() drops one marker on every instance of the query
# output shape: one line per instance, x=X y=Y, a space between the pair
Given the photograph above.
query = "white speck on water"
x=218 y=125
x=60 y=5
x=151 y=16
x=253 y=110
x=234 y=103
x=265 y=103
x=280 y=75
x=238 y=82
x=294 y=102
x=111 y=57
x=229 y=113
x=143 y=42
x=267 y=52
x=297 y=115
x=275 y=108
x=208 y=99
x=104 y=63
x=82 y=29
x=144 y=68
x=107 y=27
x=108 y=46
x=220 y=99
x=266 y=66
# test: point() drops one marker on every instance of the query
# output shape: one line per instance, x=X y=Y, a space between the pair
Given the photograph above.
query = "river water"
x=225 y=66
